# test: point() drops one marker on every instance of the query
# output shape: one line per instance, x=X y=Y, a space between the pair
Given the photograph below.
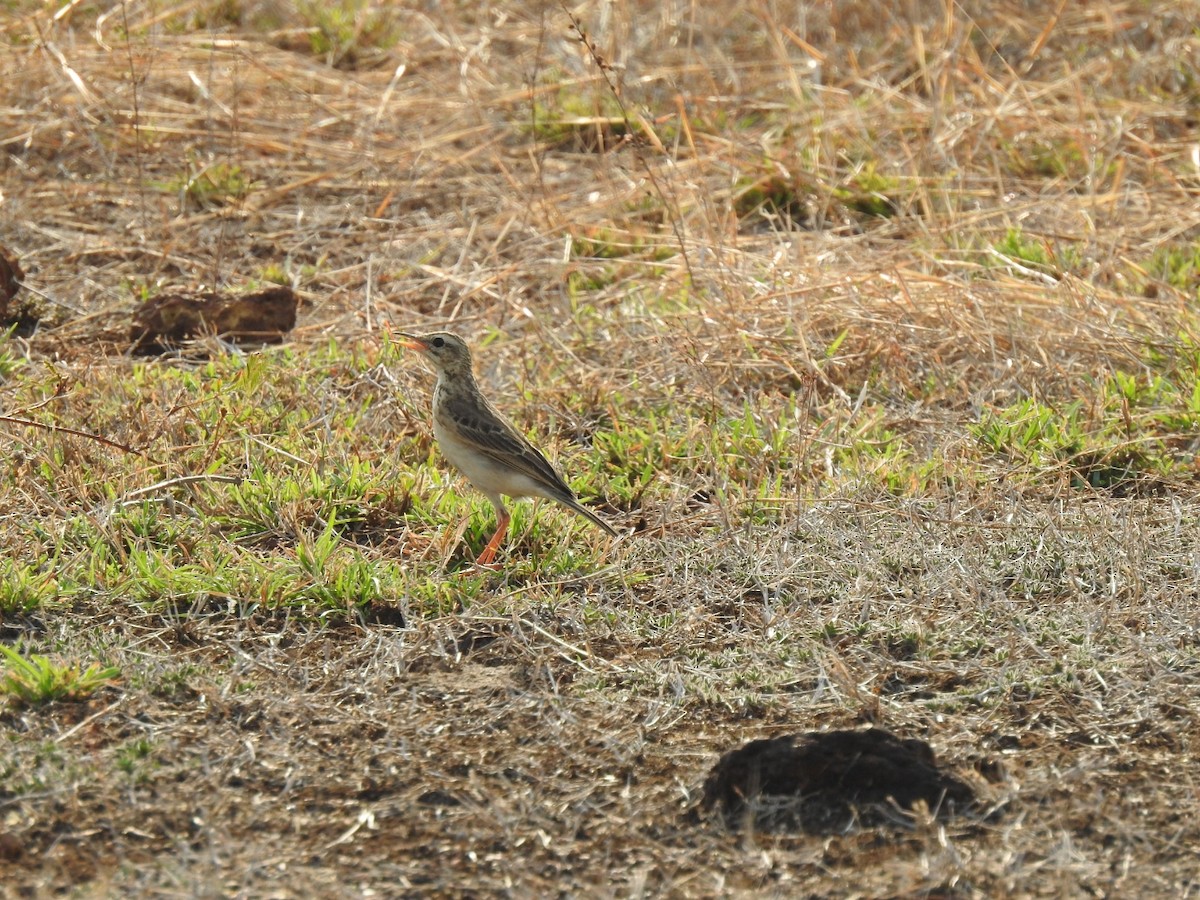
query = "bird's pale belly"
x=484 y=472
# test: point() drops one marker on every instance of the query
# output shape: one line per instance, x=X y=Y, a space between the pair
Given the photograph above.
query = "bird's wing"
x=487 y=429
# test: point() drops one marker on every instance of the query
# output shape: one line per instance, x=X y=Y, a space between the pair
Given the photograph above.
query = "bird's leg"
x=489 y=552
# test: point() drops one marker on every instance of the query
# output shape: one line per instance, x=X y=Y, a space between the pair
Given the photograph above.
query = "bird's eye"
x=438 y=342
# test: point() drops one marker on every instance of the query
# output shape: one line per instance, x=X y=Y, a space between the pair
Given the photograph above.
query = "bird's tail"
x=590 y=516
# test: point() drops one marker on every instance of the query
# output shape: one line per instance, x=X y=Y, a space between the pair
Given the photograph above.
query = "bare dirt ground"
x=764 y=276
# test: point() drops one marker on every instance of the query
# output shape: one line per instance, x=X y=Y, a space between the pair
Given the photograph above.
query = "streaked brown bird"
x=478 y=441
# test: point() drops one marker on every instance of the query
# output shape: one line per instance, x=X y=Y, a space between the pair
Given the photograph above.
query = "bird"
x=482 y=444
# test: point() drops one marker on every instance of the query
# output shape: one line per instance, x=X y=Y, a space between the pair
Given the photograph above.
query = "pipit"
x=479 y=442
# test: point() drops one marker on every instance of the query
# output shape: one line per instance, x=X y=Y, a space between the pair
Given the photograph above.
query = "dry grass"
x=768 y=305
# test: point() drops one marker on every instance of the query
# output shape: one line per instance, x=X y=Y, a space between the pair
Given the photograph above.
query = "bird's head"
x=448 y=352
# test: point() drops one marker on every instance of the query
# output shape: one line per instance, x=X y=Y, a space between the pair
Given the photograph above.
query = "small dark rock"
x=12 y=848
x=474 y=639
x=261 y=317
x=822 y=781
x=438 y=798
x=380 y=612
x=10 y=279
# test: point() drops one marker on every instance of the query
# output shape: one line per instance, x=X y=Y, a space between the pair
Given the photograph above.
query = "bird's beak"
x=413 y=342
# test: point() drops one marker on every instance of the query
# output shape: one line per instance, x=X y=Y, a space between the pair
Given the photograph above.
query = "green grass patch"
x=213 y=185
x=1178 y=265
x=34 y=680
x=1044 y=158
x=579 y=116
x=1017 y=246
x=805 y=199
x=1138 y=427
x=347 y=33
x=10 y=361
x=25 y=588
x=135 y=759
x=315 y=572
x=610 y=243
